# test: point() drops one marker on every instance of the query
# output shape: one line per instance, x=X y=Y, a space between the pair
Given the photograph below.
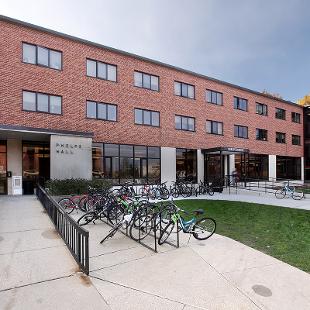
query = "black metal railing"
x=75 y=237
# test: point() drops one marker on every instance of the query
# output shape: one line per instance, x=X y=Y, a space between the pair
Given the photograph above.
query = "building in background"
x=72 y=108
x=305 y=102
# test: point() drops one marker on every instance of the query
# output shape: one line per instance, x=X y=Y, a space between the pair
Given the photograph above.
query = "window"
x=214 y=97
x=214 y=127
x=261 y=109
x=39 y=102
x=288 y=167
x=103 y=111
x=280 y=113
x=296 y=140
x=186 y=165
x=42 y=56
x=121 y=163
x=280 y=137
x=184 y=90
x=184 y=123
x=147 y=81
x=240 y=104
x=146 y=117
x=261 y=134
x=296 y=117
x=101 y=70
x=241 y=131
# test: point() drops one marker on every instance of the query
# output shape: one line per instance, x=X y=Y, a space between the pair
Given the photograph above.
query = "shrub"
x=74 y=186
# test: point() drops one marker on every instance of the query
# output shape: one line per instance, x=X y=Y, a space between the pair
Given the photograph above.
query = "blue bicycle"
x=290 y=191
x=201 y=229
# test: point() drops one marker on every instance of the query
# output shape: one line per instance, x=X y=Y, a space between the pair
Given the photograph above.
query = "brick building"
x=74 y=108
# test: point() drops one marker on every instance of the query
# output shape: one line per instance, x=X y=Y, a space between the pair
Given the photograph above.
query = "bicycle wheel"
x=297 y=196
x=111 y=233
x=280 y=193
x=87 y=218
x=141 y=224
x=164 y=193
x=82 y=203
x=115 y=214
x=165 y=233
x=67 y=204
x=210 y=191
x=174 y=193
x=185 y=192
x=204 y=228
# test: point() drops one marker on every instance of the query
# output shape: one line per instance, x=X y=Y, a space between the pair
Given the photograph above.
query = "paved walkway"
x=37 y=271
x=258 y=197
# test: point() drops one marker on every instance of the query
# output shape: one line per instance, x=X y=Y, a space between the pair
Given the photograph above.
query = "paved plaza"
x=38 y=272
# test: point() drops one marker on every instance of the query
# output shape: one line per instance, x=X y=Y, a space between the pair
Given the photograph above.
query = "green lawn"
x=280 y=232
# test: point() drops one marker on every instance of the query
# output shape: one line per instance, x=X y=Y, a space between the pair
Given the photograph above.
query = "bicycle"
x=132 y=207
x=204 y=188
x=290 y=191
x=201 y=229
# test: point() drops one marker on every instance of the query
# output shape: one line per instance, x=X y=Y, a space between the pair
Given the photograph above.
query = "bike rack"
x=153 y=235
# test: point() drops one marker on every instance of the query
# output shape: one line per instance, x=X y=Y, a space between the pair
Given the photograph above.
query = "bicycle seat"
x=198 y=212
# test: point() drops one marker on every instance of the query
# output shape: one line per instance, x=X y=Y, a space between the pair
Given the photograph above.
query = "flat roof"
x=63 y=35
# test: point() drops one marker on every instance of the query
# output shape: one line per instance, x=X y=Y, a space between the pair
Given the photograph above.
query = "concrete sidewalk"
x=219 y=273
x=256 y=197
x=37 y=271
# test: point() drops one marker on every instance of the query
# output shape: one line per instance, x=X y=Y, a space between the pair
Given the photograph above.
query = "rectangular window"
x=288 y=167
x=261 y=134
x=240 y=104
x=261 y=109
x=146 y=117
x=296 y=140
x=145 y=80
x=214 y=97
x=186 y=165
x=42 y=56
x=214 y=127
x=184 y=123
x=39 y=102
x=102 y=111
x=184 y=90
x=280 y=137
x=241 y=131
x=280 y=113
x=121 y=163
x=101 y=70
x=296 y=117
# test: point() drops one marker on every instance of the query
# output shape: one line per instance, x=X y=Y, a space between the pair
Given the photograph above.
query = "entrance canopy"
x=225 y=150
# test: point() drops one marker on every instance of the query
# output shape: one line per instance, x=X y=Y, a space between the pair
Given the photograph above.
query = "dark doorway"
x=36 y=165
x=3 y=168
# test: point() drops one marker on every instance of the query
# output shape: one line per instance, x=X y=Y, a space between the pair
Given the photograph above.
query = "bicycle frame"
x=185 y=225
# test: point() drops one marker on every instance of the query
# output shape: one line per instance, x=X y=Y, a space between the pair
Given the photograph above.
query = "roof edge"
x=98 y=45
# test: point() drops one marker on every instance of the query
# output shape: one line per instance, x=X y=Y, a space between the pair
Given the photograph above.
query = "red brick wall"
x=75 y=88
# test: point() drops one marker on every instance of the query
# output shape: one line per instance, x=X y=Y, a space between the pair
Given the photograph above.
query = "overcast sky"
x=259 y=44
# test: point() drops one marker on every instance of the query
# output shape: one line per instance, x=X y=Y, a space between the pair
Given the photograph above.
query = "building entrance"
x=3 y=168
x=217 y=163
x=36 y=165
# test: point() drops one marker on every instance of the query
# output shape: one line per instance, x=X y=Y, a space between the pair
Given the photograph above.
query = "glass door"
x=36 y=165
x=3 y=168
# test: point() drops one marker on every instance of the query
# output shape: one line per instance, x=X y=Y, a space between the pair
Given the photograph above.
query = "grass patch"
x=280 y=232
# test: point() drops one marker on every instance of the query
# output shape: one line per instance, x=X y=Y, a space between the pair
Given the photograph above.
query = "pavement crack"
x=30 y=250
x=113 y=252
x=145 y=292
x=35 y=283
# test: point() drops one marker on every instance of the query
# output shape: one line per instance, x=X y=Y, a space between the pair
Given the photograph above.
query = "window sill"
x=42 y=112
x=147 y=125
x=141 y=87
x=215 y=134
x=100 y=119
